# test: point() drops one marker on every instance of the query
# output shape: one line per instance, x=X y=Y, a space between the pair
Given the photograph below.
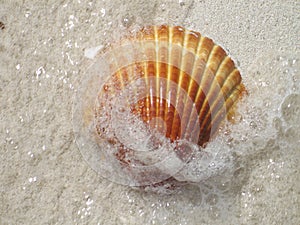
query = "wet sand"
x=45 y=180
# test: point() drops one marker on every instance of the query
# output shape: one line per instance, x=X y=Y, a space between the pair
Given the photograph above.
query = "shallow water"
x=42 y=62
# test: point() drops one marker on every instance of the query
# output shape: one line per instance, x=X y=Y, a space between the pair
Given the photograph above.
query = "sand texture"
x=43 y=176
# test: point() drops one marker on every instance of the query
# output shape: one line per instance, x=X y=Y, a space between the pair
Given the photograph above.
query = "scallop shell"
x=151 y=100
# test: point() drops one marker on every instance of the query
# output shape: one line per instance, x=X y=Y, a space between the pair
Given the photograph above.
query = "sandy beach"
x=45 y=180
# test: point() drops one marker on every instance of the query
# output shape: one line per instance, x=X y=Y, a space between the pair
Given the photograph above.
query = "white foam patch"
x=205 y=165
x=90 y=53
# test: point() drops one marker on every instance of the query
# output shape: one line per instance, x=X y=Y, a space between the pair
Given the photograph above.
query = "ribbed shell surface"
x=189 y=84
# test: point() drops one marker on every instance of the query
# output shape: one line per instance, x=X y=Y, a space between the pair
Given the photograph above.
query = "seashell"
x=151 y=100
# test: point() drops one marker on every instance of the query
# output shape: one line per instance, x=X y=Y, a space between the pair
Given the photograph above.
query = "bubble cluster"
x=290 y=109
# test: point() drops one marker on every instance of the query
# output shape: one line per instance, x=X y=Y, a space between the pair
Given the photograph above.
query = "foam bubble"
x=290 y=109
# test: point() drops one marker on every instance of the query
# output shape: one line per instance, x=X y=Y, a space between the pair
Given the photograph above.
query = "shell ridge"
x=156 y=89
x=193 y=91
x=240 y=90
x=165 y=67
x=223 y=70
x=215 y=58
x=210 y=108
x=204 y=46
x=161 y=67
x=187 y=108
x=223 y=100
x=190 y=49
x=179 y=102
x=146 y=100
x=175 y=57
x=167 y=105
x=230 y=84
x=147 y=38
